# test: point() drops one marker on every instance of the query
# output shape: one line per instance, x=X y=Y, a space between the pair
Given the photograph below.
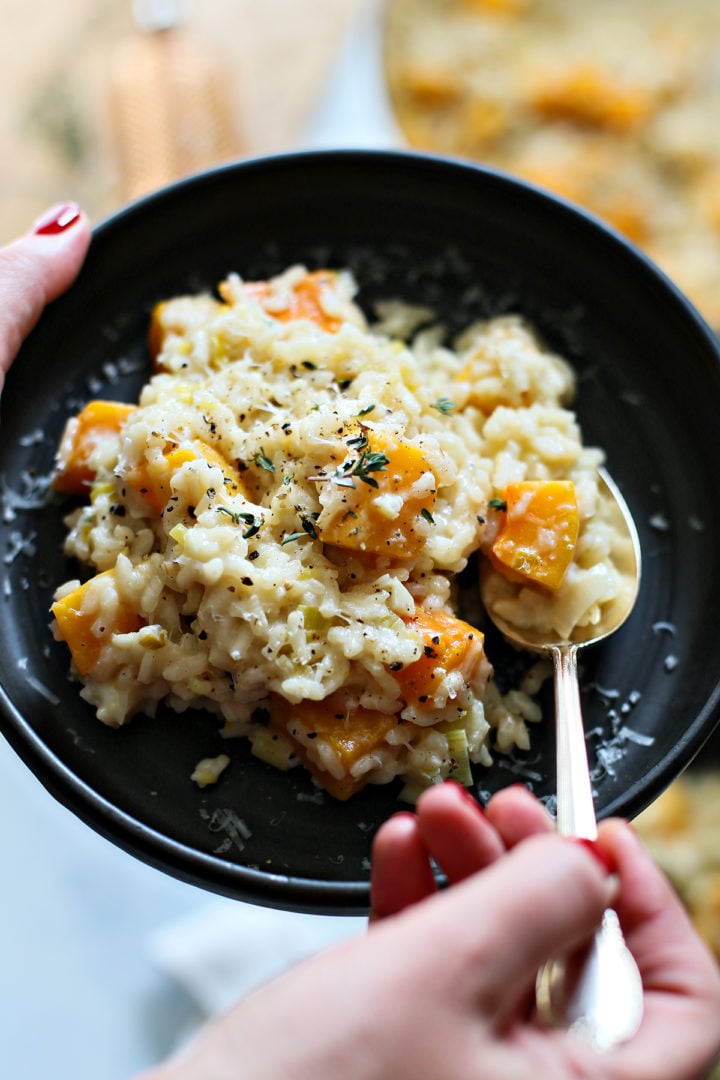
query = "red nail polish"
x=57 y=220
x=463 y=791
x=600 y=854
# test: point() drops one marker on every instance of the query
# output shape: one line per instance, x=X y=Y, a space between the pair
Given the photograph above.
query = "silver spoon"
x=597 y=996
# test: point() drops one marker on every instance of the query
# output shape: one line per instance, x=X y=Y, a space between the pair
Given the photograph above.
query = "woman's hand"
x=680 y=1032
x=442 y=986
x=36 y=269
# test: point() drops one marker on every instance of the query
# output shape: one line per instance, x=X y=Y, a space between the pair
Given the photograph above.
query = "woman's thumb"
x=36 y=269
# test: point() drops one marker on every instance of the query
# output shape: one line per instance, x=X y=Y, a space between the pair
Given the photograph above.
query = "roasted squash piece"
x=449 y=644
x=497 y=7
x=432 y=83
x=380 y=501
x=304 y=301
x=538 y=533
x=151 y=478
x=177 y=318
x=349 y=733
x=83 y=433
x=585 y=95
x=87 y=618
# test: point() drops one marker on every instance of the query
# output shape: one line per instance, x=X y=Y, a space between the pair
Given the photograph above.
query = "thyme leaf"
x=369 y=461
x=294 y=536
x=230 y=513
x=309 y=526
x=358 y=442
x=253 y=523
x=263 y=461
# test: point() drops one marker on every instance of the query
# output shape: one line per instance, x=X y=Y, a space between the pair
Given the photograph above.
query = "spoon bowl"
x=627 y=561
x=598 y=996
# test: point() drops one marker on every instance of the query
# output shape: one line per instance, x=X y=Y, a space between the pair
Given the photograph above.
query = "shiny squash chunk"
x=177 y=318
x=152 y=477
x=350 y=734
x=381 y=501
x=538 y=533
x=449 y=644
x=590 y=97
x=304 y=300
x=432 y=84
x=83 y=434
x=497 y=7
x=88 y=617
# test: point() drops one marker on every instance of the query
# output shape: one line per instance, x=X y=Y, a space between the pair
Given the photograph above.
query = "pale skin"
x=35 y=269
x=440 y=988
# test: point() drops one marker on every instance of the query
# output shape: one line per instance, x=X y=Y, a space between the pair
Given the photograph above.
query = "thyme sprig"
x=263 y=461
x=358 y=442
x=308 y=523
x=291 y=537
x=253 y=523
x=369 y=461
x=309 y=531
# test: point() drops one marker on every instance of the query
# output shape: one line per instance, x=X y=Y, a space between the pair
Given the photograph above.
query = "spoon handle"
x=597 y=996
x=575 y=808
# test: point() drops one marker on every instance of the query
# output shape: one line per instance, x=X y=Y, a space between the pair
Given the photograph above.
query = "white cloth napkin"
x=224 y=950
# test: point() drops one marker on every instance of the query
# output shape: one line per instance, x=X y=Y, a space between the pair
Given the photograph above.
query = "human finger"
x=681 y=981
x=36 y=269
x=516 y=814
x=456 y=832
x=401 y=871
x=543 y=898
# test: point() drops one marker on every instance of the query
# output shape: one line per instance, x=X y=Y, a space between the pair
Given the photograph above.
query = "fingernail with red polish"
x=466 y=795
x=600 y=854
x=57 y=220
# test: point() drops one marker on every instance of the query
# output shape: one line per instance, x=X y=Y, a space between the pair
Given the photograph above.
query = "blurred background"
x=106 y=963
x=102 y=99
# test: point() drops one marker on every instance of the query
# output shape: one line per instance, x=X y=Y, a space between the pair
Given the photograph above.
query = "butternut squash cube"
x=537 y=537
x=151 y=478
x=449 y=644
x=350 y=734
x=177 y=318
x=305 y=300
x=585 y=95
x=87 y=618
x=83 y=434
x=381 y=501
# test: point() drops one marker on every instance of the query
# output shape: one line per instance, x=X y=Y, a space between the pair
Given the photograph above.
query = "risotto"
x=275 y=530
x=613 y=105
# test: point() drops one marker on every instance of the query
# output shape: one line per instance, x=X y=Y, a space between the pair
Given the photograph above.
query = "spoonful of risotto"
x=562 y=572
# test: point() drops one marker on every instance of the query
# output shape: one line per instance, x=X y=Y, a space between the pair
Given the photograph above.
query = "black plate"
x=471 y=243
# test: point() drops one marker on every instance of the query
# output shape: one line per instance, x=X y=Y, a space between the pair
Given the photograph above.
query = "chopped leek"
x=459 y=757
x=272 y=748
